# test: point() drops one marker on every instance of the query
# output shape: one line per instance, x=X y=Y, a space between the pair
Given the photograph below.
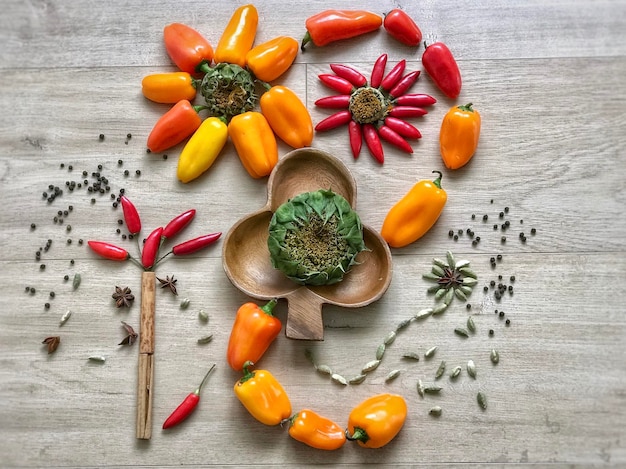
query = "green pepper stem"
x=199 y=108
x=132 y=259
x=203 y=67
x=247 y=374
x=305 y=40
x=199 y=389
x=162 y=257
x=467 y=107
x=359 y=435
x=269 y=307
x=437 y=182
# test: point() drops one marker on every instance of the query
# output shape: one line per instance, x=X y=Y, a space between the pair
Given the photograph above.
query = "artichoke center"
x=228 y=90
x=317 y=245
x=368 y=105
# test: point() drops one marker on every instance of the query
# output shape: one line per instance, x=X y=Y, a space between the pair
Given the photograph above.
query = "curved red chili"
x=109 y=251
x=336 y=83
x=131 y=216
x=334 y=121
x=418 y=100
x=394 y=138
x=373 y=142
x=356 y=138
x=443 y=69
x=378 y=71
x=151 y=248
x=353 y=76
x=178 y=223
x=193 y=245
x=394 y=75
x=341 y=101
x=405 y=83
x=407 y=111
x=402 y=127
x=402 y=27
x=187 y=406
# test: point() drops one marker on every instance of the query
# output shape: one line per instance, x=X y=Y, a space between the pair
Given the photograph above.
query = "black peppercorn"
x=126 y=172
x=468 y=306
x=101 y=136
x=129 y=136
x=533 y=231
x=485 y=218
x=501 y=314
x=137 y=172
x=499 y=257
x=80 y=241
x=510 y=288
x=473 y=216
x=164 y=157
x=42 y=266
x=93 y=201
x=507 y=223
x=503 y=239
x=451 y=233
x=33 y=226
x=66 y=277
x=51 y=294
x=459 y=232
x=506 y=209
x=492 y=283
x=456 y=237
x=477 y=239
x=485 y=288
x=501 y=214
x=120 y=221
x=490 y=331
x=508 y=322
x=118 y=231
x=69 y=241
x=47 y=305
x=512 y=279
x=492 y=260
x=72 y=261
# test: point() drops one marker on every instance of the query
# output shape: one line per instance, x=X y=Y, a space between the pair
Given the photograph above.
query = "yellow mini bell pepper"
x=255 y=143
x=169 y=87
x=263 y=396
x=271 y=59
x=415 y=214
x=202 y=149
x=288 y=116
x=238 y=37
x=458 y=137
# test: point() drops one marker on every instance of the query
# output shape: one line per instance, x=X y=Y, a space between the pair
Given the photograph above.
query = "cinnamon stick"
x=146 y=357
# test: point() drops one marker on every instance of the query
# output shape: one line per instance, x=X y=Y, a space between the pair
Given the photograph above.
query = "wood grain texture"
x=548 y=79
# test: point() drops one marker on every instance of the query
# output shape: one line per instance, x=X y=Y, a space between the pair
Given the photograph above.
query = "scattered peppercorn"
x=138 y=172
x=66 y=277
x=126 y=172
x=456 y=237
x=533 y=231
x=490 y=331
x=42 y=266
x=501 y=215
x=468 y=306
x=485 y=218
x=473 y=216
x=51 y=294
x=120 y=221
x=499 y=257
x=101 y=136
x=503 y=239
x=485 y=288
x=501 y=314
x=508 y=322
x=164 y=157
x=506 y=209
x=451 y=233
x=72 y=261
x=47 y=305
x=512 y=278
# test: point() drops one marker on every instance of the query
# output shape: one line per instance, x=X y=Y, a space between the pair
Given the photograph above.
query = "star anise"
x=123 y=297
x=450 y=278
x=52 y=343
x=169 y=283
x=131 y=337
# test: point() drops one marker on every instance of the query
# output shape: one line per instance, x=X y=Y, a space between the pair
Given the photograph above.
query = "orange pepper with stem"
x=415 y=214
x=254 y=329
x=255 y=143
x=174 y=126
x=318 y=432
x=288 y=116
x=377 y=420
x=186 y=47
x=333 y=25
x=238 y=37
x=169 y=88
x=271 y=59
x=458 y=137
x=263 y=396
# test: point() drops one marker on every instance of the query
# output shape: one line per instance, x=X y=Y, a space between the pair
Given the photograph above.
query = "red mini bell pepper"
x=186 y=47
x=174 y=126
x=402 y=27
x=443 y=69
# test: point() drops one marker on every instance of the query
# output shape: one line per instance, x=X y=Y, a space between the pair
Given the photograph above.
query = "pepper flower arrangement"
x=229 y=91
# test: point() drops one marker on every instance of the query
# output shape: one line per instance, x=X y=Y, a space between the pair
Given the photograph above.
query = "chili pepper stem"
x=163 y=257
x=136 y=262
x=199 y=389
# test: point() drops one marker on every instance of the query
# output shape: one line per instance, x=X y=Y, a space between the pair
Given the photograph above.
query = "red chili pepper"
x=407 y=111
x=186 y=407
x=174 y=126
x=402 y=27
x=356 y=138
x=186 y=47
x=131 y=216
x=178 y=223
x=418 y=100
x=109 y=251
x=333 y=25
x=341 y=101
x=394 y=75
x=404 y=84
x=373 y=142
x=151 y=248
x=402 y=127
x=336 y=83
x=393 y=137
x=442 y=68
x=353 y=76
x=378 y=71
x=336 y=120
x=193 y=245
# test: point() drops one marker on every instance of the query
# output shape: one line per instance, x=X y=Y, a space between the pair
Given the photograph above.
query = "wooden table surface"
x=548 y=80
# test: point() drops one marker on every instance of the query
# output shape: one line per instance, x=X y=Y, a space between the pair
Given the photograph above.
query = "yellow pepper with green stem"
x=255 y=143
x=411 y=217
x=202 y=149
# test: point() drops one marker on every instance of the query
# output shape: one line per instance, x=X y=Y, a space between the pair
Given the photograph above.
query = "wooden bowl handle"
x=304 y=315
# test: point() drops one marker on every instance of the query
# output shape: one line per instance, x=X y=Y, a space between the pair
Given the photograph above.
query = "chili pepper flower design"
x=227 y=79
x=374 y=109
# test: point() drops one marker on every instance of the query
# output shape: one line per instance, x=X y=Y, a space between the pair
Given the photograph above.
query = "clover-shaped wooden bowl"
x=246 y=257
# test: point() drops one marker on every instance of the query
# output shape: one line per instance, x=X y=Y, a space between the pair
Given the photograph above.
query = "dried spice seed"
x=494 y=356
x=169 y=283
x=392 y=375
x=432 y=389
x=52 y=343
x=76 y=281
x=482 y=400
x=65 y=317
x=461 y=332
x=430 y=352
x=390 y=338
x=422 y=314
x=370 y=366
x=441 y=370
x=403 y=324
x=471 y=368
x=123 y=297
x=435 y=411
x=206 y=339
x=97 y=359
x=358 y=379
x=471 y=326
x=203 y=315
x=184 y=304
x=455 y=372
x=380 y=351
x=324 y=369
x=411 y=356
x=339 y=379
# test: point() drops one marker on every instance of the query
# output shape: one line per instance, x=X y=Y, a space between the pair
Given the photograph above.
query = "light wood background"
x=548 y=79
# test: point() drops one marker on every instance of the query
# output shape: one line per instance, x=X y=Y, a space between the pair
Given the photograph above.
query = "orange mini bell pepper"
x=255 y=143
x=333 y=25
x=238 y=37
x=316 y=431
x=169 y=88
x=174 y=126
x=186 y=47
x=415 y=214
x=458 y=137
x=377 y=420
x=271 y=59
x=288 y=116
x=254 y=329
x=263 y=396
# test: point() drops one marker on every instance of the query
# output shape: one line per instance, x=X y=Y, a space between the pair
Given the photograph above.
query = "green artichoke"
x=314 y=238
x=228 y=90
